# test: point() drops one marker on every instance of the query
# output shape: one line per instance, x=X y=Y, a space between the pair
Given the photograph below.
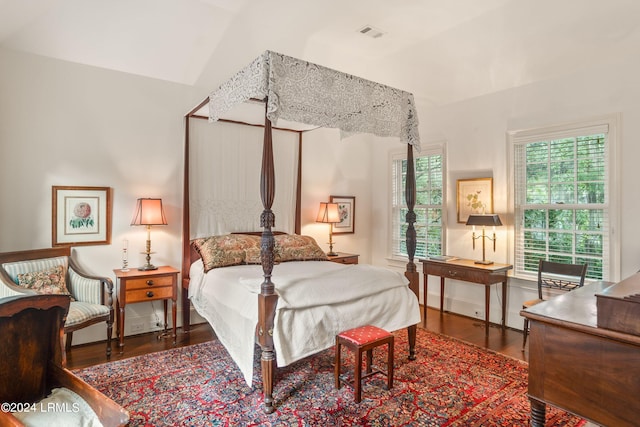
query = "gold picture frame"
x=475 y=196
x=80 y=216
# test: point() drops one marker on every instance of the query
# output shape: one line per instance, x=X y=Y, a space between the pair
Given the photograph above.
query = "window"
x=429 y=204
x=563 y=197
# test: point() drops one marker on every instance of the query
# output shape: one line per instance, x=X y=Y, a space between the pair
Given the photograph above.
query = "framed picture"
x=81 y=216
x=475 y=196
x=347 y=211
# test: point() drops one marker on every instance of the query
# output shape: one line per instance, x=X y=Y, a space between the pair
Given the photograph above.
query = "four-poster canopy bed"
x=296 y=91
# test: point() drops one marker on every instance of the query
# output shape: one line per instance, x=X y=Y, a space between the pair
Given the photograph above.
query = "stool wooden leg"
x=358 y=375
x=336 y=369
x=390 y=366
x=369 y=360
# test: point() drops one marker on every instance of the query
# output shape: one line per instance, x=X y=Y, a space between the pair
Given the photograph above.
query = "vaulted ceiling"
x=442 y=51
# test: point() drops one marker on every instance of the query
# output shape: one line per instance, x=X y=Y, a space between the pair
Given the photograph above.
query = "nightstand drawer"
x=346 y=260
x=153 y=293
x=150 y=282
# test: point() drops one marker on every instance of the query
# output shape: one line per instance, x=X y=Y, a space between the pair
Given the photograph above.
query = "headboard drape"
x=224 y=197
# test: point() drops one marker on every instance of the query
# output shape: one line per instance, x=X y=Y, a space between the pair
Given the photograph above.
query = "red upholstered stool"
x=359 y=340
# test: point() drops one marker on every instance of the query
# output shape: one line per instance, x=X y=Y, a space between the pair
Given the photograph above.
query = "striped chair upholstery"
x=92 y=297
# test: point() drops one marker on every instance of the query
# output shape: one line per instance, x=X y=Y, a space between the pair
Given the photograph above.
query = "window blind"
x=430 y=227
x=561 y=195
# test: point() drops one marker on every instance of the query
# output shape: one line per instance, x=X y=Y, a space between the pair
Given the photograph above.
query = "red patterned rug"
x=450 y=384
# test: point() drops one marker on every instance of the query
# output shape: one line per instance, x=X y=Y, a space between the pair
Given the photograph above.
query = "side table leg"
x=504 y=306
x=538 y=413
x=487 y=296
x=425 y=289
x=166 y=325
x=174 y=318
x=120 y=326
x=441 y=294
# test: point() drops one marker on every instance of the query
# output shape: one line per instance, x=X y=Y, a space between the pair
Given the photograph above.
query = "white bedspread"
x=317 y=300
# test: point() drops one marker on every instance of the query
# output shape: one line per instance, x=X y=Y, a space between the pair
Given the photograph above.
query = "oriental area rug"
x=449 y=384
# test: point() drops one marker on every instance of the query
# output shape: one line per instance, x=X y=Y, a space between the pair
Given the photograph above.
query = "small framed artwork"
x=81 y=216
x=475 y=196
x=347 y=211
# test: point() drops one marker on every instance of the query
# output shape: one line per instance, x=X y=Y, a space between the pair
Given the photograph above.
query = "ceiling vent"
x=370 y=31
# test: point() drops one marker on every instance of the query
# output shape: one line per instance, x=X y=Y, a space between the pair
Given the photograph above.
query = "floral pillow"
x=50 y=281
x=292 y=247
x=254 y=255
x=223 y=251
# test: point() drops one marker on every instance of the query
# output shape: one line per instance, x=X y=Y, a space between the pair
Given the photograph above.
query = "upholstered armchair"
x=35 y=387
x=54 y=271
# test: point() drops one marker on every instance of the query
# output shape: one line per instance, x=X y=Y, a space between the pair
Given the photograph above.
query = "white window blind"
x=430 y=227
x=562 y=202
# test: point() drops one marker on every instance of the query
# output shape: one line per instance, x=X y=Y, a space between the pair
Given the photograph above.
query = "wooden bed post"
x=411 y=273
x=186 y=221
x=267 y=299
x=186 y=249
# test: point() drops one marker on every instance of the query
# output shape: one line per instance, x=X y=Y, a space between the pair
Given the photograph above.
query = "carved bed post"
x=186 y=234
x=411 y=272
x=267 y=299
x=186 y=221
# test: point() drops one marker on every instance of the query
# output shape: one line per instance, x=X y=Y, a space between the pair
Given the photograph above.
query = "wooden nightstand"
x=140 y=286
x=344 y=258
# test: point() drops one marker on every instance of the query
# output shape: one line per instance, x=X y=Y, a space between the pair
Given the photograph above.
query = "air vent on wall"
x=370 y=31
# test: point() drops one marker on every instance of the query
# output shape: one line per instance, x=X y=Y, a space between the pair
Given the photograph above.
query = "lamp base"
x=148 y=266
x=332 y=253
x=484 y=262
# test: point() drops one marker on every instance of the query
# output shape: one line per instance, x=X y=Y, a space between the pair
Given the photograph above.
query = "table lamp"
x=149 y=212
x=328 y=213
x=484 y=220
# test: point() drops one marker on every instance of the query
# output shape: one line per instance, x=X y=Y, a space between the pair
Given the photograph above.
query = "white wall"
x=332 y=166
x=68 y=124
x=475 y=135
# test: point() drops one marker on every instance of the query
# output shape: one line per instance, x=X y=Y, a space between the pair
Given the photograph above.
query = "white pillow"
x=62 y=408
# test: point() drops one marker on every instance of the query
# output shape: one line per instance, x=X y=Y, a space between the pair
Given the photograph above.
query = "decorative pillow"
x=223 y=251
x=292 y=247
x=75 y=411
x=253 y=255
x=50 y=281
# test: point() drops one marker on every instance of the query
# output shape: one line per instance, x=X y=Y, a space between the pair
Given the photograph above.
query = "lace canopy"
x=300 y=91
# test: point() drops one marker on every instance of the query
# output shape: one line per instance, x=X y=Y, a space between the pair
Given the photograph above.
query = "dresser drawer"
x=150 y=294
x=149 y=282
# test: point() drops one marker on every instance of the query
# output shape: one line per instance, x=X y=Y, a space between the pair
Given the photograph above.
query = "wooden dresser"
x=577 y=366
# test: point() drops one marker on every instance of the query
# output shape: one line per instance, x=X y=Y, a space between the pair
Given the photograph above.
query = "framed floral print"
x=475 y=196
x=81 y=216
x=347 y=212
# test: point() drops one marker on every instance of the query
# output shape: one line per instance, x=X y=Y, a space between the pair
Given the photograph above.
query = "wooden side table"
x=344 y=258
x=140 y=286
x=468 y=271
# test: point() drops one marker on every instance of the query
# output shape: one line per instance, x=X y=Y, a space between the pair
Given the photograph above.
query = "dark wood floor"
x=461 y=327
